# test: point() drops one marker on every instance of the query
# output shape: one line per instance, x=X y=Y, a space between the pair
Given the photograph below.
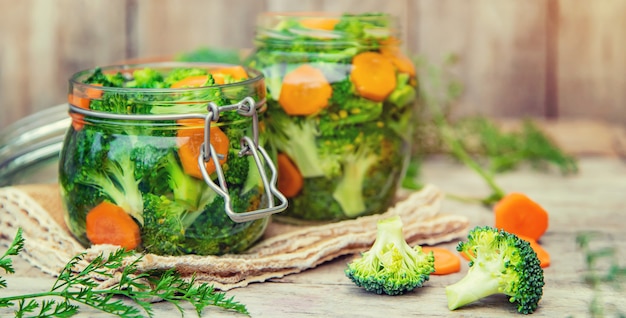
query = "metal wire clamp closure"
x=249 y=146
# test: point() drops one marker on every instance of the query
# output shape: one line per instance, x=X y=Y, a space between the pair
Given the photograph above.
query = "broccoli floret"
x=363 y=26
x=117 y=182
x=391 y=266
x=297 y=137
x=146 y=78
x=404 y=93
x=500 y=263
x=348 y=192
x=185 y=188
x=351 y=111
x=178 y=74
x=109 y=80
x=215 y=233
x=163 y=231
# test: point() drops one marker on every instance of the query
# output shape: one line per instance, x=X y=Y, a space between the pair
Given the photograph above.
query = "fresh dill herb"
x=507 y=150
x=602 y=270
x=477 y=142
x=78 y=287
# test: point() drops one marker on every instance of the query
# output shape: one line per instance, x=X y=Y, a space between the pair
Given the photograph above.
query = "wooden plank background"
x=540 y=58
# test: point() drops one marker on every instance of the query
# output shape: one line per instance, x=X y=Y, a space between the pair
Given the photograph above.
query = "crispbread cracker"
x=283 y=250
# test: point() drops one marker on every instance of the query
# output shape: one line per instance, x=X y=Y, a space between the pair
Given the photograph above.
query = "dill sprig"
x=504 y=151
x=78 y=287
x=602 y=269
x=476 y=141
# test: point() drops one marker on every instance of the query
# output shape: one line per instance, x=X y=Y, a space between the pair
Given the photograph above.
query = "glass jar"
x=340 y=102
x=138 y=164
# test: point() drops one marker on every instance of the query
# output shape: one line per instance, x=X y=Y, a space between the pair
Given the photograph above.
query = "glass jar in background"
x=138 y=164
x=340 y=105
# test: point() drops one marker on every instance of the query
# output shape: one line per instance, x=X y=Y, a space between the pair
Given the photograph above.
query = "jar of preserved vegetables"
x=341 y=98
x=167 y=158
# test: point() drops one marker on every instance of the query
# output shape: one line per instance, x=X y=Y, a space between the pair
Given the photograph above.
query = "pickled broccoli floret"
x=391 y=266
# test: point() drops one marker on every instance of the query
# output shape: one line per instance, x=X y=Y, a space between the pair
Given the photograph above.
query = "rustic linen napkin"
x=284 y=249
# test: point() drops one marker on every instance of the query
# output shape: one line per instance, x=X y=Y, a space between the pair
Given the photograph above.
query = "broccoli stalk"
x=187 y=191
x=391 y=266
x=167 y=219
x=404 y=93
x=297 y=139
x=500 y=263
x=349 y=190
x=118 y=183
x=184 y=187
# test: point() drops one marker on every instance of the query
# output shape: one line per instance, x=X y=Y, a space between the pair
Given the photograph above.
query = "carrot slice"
x=402 y=62
x=190 y=139
x=108 y=223
x=516 y=213
x=191 y=81
x=319 y=23
x=290 y=179
x=373 y=75
x=542 y=254
x=236 y=72
x=305 y=91
x=446 y=262
x=82 y=102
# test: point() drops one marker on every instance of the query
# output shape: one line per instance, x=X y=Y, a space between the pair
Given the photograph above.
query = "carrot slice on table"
x=108 y=223
x=373 y=75
x=82 y=102
x=446 y=262
x=516 y=213
x=542 y=254
x=191 y=81
x=305 y=91
x=290 y=179
x=190 y=139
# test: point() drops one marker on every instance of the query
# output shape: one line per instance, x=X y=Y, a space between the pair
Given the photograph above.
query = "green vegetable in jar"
x=340 y=104
x=138 y=183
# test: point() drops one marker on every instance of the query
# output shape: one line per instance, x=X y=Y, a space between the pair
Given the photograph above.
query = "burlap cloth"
x=284 y=249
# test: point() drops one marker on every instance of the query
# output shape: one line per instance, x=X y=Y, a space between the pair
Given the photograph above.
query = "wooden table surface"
x=594 y=199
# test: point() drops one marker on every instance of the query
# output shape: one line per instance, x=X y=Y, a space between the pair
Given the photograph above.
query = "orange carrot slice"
x=305 y=91
x=319 y=23
x=82 y=102
x=190 y=139
x=108 y=223
x=373 y=75
x=402 y=62
x=516 y=213
x=236 y=72
x=446 y=262
x=191 y=81
x=290 y=179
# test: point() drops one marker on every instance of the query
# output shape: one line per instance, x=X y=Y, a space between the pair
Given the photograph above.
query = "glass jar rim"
x=278 y=28
x=76 y=80
x=326 y=14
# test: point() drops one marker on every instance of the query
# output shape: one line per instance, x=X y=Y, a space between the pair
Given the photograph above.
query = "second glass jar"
x=341 y=97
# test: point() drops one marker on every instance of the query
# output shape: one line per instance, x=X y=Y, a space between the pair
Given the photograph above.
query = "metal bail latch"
x=249 y=146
